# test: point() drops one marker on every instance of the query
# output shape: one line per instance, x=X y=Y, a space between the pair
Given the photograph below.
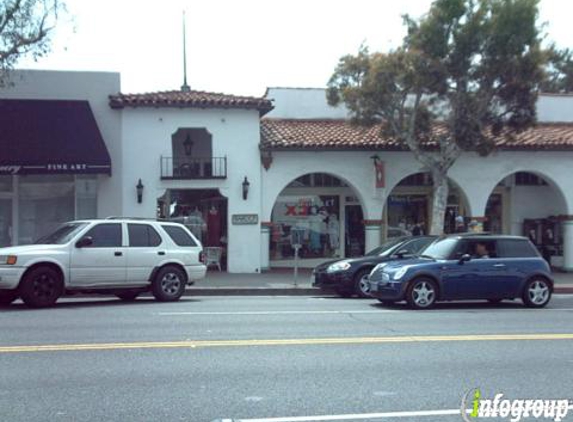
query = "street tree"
x=467 y=72
x=26 y=27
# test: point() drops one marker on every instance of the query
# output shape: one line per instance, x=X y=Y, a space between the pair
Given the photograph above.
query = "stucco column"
x=372 y=234
x=265 y=245
x=568 y=244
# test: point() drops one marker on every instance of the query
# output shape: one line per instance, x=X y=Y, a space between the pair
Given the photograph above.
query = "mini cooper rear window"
x=179 y=235
x=509 y=248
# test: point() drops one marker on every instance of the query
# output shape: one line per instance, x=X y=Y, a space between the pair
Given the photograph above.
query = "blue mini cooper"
x=466 y=267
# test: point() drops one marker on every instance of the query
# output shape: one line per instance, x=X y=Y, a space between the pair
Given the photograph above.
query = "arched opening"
x=408 y=209
x=529 y=204
x=203 y=212
x=322 y=214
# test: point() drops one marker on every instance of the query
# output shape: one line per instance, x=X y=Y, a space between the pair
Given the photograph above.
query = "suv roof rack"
x=116 y=217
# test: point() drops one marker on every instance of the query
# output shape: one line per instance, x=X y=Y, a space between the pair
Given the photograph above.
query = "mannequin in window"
x=333 y=233
x=213 y=227
x=196 y=223
x=316 y=225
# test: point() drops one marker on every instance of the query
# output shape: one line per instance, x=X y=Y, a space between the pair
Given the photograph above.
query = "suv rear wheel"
x=41 y=287
x=169 y=284
x=128 y=295
x=422 y=293
x=537 y=293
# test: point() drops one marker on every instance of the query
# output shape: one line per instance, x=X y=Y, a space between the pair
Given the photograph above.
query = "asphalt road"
x=276 y=358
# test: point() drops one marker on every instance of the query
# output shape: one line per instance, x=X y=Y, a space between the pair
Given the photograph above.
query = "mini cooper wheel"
x=422 y=294
x=41 y=287
x=169 y=284
x=537 y=293
x=361 y=286
x=7 y=297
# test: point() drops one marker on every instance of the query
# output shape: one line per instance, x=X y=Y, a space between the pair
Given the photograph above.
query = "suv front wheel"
x=168 y=284
x=537 y=293
x=41 y=287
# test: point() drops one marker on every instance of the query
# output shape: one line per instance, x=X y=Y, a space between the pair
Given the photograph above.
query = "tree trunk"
x=439 y=201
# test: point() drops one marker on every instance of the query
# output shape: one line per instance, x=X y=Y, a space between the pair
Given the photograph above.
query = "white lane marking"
x=363 y=416
x=358 y=311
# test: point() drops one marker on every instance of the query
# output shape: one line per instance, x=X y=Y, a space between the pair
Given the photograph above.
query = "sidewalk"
x=281 y=282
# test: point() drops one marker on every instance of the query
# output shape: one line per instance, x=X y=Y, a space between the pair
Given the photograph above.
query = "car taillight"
x=202 y=257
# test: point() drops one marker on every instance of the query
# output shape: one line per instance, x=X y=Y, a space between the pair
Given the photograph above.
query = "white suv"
x=124 y=257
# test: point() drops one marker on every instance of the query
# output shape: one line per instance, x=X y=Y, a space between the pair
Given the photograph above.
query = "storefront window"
x=86 y=197
x=5 y=222
x=5 y=183
x=316 y=221
x=44 y=203
x=407 y=215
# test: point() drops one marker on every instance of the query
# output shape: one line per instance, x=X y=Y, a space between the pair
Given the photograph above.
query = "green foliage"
x=559 y=71
x=475 y=65
x=25 y=29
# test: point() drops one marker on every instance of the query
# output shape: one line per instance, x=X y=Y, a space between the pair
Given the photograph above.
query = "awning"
x=50 y=137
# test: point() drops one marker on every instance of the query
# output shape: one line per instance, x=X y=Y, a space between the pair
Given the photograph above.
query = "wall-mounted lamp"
x=246 y=185
x=139 y=188
x=188 y=145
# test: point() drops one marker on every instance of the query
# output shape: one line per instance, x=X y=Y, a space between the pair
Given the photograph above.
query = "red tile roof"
x=194 y=99
x=340 y=134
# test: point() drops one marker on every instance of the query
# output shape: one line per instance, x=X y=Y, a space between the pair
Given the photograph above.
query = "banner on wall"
x=379 y=167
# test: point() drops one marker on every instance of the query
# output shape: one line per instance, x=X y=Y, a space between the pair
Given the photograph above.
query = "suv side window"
x=105 y=235
x=517 y=248
x=179 y=235
x=142 y=235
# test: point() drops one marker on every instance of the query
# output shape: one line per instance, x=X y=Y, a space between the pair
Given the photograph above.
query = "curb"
x=563 y=289
x=256 y=291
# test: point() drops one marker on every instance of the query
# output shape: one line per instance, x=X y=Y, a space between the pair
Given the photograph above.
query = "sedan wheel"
x=537 y=293
x=422 y=294
x=361 y=286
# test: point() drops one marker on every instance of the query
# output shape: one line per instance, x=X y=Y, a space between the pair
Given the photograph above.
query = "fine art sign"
x=242 y=219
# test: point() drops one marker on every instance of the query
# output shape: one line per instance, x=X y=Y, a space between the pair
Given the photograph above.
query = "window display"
x=316 y=217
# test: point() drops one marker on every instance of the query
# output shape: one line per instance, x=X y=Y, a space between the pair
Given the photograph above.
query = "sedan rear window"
x=179 y=235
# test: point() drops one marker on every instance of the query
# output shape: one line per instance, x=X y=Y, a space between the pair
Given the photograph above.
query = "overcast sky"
x=237 y=46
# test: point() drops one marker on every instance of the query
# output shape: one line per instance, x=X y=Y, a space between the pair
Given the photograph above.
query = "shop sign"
x=244 y=219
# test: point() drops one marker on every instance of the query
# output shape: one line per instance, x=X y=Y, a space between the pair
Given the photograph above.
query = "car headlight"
x=8 y=259
x=400 y=273
x=338 y=266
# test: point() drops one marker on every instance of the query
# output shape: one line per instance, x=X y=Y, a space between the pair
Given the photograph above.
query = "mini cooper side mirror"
x=465 y=258
x=400 y=254
x=84 y=241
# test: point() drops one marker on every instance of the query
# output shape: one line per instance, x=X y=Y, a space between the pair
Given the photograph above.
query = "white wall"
x=302 y=103
x=555 y=108
x=235 y=134
x=95 y=88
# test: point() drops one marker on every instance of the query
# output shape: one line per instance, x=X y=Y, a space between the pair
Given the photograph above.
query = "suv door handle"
x=161 y=253
x=118 y=253
x=499 y=265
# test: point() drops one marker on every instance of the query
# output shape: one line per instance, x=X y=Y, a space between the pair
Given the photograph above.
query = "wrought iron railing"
x=193 y=167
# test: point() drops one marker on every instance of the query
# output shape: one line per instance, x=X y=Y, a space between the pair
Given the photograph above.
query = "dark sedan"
x=349 y=277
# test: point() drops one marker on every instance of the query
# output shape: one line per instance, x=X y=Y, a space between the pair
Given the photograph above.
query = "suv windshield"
x=61 y=235
x=386 y=248
x=440 y=249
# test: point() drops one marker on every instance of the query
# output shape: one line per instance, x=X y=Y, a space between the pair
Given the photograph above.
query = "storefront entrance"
x=204 y=212
x=320 y=213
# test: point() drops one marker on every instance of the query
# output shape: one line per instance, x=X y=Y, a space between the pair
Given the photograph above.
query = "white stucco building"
x=246 y=173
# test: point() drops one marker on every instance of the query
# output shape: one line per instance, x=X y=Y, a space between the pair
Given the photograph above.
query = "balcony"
x=187 y=168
